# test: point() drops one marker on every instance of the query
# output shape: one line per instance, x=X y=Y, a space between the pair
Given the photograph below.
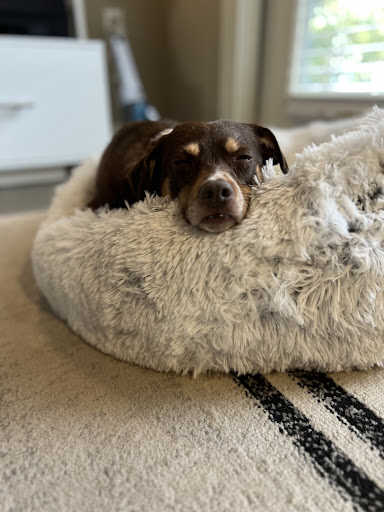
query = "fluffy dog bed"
x=299 y=284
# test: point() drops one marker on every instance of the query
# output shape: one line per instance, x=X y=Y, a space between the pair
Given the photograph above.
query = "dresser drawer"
x=54 y=101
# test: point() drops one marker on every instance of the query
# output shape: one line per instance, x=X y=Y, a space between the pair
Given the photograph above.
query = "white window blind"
x=338 y=49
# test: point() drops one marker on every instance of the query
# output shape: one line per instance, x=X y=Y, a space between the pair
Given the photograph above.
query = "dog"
x=209 y=167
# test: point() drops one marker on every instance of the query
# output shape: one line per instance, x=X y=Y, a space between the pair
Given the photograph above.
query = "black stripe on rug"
x=348 y=409
x=328 y=460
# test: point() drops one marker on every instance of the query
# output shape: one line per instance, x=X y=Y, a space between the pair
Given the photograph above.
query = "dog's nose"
x=215 y=192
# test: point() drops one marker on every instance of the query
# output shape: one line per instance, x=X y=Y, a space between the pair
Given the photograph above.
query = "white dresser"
x=54 y=101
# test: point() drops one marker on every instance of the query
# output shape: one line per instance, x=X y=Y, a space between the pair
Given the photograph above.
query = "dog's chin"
x=217 y=223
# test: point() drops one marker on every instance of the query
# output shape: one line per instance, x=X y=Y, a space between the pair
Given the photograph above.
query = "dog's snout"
x=215 y=192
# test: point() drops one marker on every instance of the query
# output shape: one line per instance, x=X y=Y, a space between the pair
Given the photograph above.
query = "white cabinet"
x=54 y=101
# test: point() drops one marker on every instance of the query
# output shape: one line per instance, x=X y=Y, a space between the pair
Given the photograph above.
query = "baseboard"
x=16 y=179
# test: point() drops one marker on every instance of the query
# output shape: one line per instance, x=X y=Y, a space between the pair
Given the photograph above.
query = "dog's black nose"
x=215 y=192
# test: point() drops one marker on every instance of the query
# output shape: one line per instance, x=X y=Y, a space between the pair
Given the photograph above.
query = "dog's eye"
x=181 y=161
x=244 y=157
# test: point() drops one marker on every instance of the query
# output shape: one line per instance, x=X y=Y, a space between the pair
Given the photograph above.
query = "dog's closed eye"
x=181 y=161
x=243 y=157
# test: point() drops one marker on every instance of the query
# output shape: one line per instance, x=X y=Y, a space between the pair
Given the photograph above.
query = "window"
x=338 y=49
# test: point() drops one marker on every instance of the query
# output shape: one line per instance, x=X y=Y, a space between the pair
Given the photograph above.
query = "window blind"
x=339 y=48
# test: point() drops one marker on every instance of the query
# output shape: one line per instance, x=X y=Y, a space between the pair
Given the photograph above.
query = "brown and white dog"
x=209 y=167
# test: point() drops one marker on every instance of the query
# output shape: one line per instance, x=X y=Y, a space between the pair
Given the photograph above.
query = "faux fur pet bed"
x=299 y=284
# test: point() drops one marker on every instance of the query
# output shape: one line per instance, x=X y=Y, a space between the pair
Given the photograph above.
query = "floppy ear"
x=269 y=147
x=145 y=176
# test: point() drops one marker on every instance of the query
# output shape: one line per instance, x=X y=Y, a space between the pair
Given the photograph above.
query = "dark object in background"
x=132 y=97
x=34 y=17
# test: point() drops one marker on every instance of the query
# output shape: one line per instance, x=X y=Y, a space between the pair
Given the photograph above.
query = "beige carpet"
x=80 y=431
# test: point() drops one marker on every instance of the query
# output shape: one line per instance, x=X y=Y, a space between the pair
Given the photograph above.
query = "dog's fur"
x=209 y=167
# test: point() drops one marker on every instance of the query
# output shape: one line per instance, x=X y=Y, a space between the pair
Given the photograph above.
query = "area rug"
x=81 y=431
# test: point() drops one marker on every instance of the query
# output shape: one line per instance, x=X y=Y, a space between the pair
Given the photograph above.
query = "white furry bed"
x=299 y=284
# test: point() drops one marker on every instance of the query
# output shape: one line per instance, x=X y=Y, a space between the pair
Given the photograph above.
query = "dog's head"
x=210 y=168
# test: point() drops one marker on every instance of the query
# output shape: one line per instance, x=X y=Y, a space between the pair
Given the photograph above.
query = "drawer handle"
x=16 y=105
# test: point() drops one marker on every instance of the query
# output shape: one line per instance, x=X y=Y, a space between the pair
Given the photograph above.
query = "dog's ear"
x=269 y=147
x=146 y=176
